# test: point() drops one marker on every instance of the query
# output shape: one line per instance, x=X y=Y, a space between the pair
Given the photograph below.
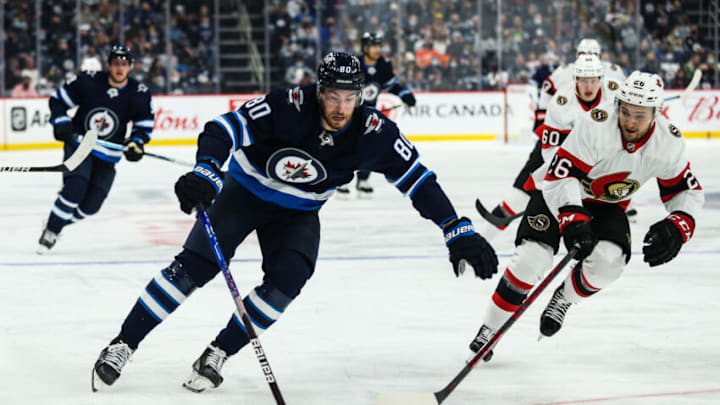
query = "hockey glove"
x=539 y=118
x=468 y=247
x=63 y=132
x=409 y=99
x=665 y=238
x=134 y=150
x=199 y=186
x=576 y=230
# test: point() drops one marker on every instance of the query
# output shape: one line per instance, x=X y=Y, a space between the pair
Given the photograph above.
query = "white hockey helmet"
x=588 y=46
x=642 y=89
x=587 y=66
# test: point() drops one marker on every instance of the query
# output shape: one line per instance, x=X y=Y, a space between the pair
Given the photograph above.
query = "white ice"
x=382 y=313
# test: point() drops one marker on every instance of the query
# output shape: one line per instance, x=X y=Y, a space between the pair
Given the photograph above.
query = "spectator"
x=24 y=88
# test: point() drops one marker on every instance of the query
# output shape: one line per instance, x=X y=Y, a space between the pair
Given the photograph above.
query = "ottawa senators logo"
x=599 y=115
x=540 y=222
x=562 y=100
x=613 y=187
x=675 y=131
x=612 y=85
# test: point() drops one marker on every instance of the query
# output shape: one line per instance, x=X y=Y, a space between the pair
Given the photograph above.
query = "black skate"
x=483 y=336
x=206 y=370
x=364 y=189
x=47 y=240
x=110 y=363
x=553 y=316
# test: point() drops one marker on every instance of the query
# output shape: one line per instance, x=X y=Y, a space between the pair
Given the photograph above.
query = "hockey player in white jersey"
x=607 y=156
x=517 y=198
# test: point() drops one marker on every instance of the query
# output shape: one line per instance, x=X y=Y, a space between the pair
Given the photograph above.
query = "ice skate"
x=46 y=242
x=553 y=316
x=483 y=336
x=364 y=189
x=206 y=370
x=110 y=363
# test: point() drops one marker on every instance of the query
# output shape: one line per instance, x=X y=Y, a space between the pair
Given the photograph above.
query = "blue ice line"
x=257 y=260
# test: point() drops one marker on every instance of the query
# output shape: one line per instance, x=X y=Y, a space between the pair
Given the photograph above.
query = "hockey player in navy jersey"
x=106 y=102
x=289 y=150
x=379 y=76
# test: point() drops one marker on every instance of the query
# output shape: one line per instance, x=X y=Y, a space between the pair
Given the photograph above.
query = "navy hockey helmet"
x=340 y=70
x=121 y=52
x=370 y=38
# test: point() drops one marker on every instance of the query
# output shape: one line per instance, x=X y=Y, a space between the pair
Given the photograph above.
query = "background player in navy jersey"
x=379 y=76
x=288 y=152
x=106 y=102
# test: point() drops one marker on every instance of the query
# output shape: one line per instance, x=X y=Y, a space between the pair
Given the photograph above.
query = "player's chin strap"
x=252 y=335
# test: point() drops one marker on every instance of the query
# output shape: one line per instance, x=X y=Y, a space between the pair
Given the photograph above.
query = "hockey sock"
x=61 y=214
x=163 y=294
x=577 y=287
x=509 y=295
x=264 y=306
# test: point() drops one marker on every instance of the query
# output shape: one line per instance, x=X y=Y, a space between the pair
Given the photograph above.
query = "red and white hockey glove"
x=575 y=228
x=665 y=238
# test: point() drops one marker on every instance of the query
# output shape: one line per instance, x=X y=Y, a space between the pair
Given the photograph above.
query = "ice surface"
x=382 y=313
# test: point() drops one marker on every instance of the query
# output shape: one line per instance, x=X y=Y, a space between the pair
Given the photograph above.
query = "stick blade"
x=82 y=151
x=407 y=398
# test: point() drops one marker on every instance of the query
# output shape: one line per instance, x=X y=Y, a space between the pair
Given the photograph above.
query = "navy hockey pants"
x=84 y=190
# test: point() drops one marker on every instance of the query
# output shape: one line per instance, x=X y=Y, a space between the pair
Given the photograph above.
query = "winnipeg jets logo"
x=371 y=91
x=103 y=120
x=373 y=123
x=371 y=70
x=296 y=97
x=295 y=166
x=112 y=92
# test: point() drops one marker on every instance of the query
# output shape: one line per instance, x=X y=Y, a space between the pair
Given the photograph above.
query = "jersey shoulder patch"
x=598 y=114
x=614 y=67
x=296 y=97
x=142 y=88
x=373 y=123
x=561 y=100
x=612 y=85
x=674 y=131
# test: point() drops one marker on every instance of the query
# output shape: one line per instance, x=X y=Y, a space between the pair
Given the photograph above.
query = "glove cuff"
x=684 y=222
x=208 y=170
x=457 y=228
x=572 y=213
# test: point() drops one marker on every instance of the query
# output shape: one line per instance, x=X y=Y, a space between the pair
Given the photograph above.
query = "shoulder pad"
x=142 y=88
x=373 y=123
x=598 y=114
x=296 y=97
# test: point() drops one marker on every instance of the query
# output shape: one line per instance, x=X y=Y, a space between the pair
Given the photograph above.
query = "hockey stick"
x=691 y=86
x=386 y=109
x=440 y=396
x=254 y=341
x=70 y=164
x=498 y=222
x=168 y=159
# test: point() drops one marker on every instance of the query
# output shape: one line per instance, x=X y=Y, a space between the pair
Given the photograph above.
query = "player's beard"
x=113 y=79
x=336 y=120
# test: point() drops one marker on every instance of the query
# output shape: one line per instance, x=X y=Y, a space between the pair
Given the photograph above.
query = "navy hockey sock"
x=264 y=305
x=163 y=294
x=61 y=214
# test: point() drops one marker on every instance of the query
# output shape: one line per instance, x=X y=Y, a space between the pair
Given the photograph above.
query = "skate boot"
x=483 y=335
x=343 y=192
x=47 y=240
x=364 y=189
x=110 y=363
x=206 y=370
x=553 y=316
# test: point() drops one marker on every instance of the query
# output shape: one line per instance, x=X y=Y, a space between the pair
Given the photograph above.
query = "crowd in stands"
x=186 y=67
x=434 y=44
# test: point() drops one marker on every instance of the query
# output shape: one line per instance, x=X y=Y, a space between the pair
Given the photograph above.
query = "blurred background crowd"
x=184 y=46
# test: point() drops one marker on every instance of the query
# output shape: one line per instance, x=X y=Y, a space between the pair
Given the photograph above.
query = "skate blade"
x=364 y=195
x=197 y=383
x=96 y=383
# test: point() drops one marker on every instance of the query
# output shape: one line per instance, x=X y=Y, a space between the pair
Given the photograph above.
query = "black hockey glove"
x=409 y=99
x=63 y=132
x=539 y=118
x=134 y=150
x=576 y=230
x=665 y=238
x=199 y=186
x=468 y=247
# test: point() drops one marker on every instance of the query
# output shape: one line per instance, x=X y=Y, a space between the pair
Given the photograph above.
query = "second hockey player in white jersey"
x=607 y=156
